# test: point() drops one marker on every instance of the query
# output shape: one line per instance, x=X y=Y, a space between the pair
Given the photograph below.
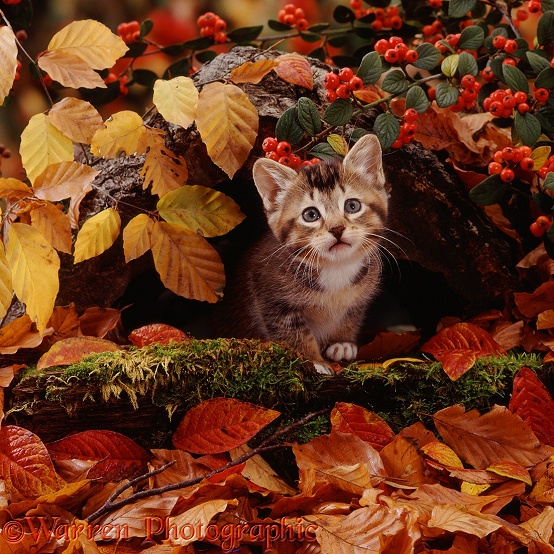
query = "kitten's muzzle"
x=337 y=231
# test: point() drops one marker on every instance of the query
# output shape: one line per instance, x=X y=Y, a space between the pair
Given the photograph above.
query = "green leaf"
x=310 y=37
x=308 y=116
x=144 y=77
x=370 y=68
x=245 y=34
x=458 y=8
x=339 y=112
x=546 y=5
x=342 y=14
x=417 y=99
x=206 y=56
x=324 y=151
x=446 y=95
x=318 y=27
x=545 y=29
x=428 y=56
x=490 y=191
x=538 y=61
x=180 y=67
x=395 y=82
x=467 y=65
x=527 y=127
x=515 y=78
x=197 y=43
x=546 y=117
x=545 y=78
x=171 y=50
x=449 y=66
x=278 y=26
x=471 y=38
x=288 y=127
x=387 y=129
x=145 y=27
x=548 y=183
x=357 y=134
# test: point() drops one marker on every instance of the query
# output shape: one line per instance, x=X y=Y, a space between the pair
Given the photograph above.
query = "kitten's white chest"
x=334 y=277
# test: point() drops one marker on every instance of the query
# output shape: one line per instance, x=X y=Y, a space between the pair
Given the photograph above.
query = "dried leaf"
x=8 y=61
x=156 y=332
x=76 y=119
x=176 y=100
x=97 y=234
x=545 y=320
x=64 y=321
x=69 y=70
x=220 y=424
x=98 y=322
x=511 y=470
x=188 y=265
x=17 y=334
x=228 y=124
x=185 y=467
x=63 y=180
x=403 y=463
x=460 y=519
x=6 y=288
x=137 y=237
x=53 y=225
x=34 y=265
x=121 y=133
x=532 y=304
x=252 y=72
x=296 y=70
x=74 y=349
x=14 y=189
x=443 y=454
x=387 y=344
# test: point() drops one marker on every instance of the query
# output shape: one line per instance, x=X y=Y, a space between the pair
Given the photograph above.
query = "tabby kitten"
x=308 y=280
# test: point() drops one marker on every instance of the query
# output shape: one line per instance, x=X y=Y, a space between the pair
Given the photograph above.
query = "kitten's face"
x=328 y=212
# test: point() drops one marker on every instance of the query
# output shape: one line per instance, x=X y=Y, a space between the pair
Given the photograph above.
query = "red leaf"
x=97 y=322
x=220 y=424
x=532 y=402
x=118 y=457
x=349 y=418
x=387 y=344
x=156 y=332
x=532 y=304
x=296 y=70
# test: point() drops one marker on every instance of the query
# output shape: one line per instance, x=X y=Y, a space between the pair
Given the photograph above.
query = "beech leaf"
x=252 y=72
x=53 y=225
x=97 y=234
x=220 y=424
x=63 y=180
x=137 y=237
x=228 y=124
x=18 y=334
x=156 y=332
x=6 y=288
x=70 y=70
x=97 y=322
x=458 y=518
x=295 y=69
x=121 y=133
x=14 y=189
x=76 y=119
x=176 y=100
x=443 y=454
x=8 y=61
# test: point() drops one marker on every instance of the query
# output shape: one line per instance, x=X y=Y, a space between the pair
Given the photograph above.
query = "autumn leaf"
x=532 y=402
x=25 y=465
x=511 y=470
x=403 y=463
x=34 y=265
x=74 y=349
x=387 y=344
x=220 y=424
x=97 y=234
x=349 y=418
x=14 y=189
x=6 y=288
x=482 y=440
x=296 y=70
x=18 y=334
x=228 y=124
x=69 y=70
x=64 y=321
x=117 y=457
x=532 y=304
x=459 y=518
x=176 y=100
x=121 y=133
x=41 y=145
x=201 y=210
x=187 y=264
x=91 y=41
x=252 y=72
x=98 y=322
x=136 y=237
x=53 y=225
x=8 y=61
x=76 y=119
x=63 y=180
x=156 y=332
x=442 y=454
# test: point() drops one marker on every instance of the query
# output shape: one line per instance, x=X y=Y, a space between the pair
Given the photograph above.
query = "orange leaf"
x=252 y=72
x=25 y=465
x=65 y=321
x=117 y=456
x=220 y=424
x=511 y=470
x=157 y=332
x=532 y=402
x=17 y=334
x=368 y=94
x=532 y=304
x=403 y=463
x=349 y=418
x=73 y=349
x=97 y=322
x=387 y=344
x=443 y=454
x=296 y=70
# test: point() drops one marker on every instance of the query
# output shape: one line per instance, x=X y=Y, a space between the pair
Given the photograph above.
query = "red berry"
x=435 y=3
x=411 y=56
x=509 y=61
x=432 y=93
x=285 y=160
x=526 y=151
x=220 y=25
x=330 y=95
x=409 y=129
x=469 y=95
x=507 y=175
x=507 y=153
x=520 y=96
x=272 y=156
x=289 y=19
x=356 y=4
x=289 y=8
x=522 y=14
x=541 y=95
x=396 y=22
x=523 y=108
x=331 y=81
x=510 y=47
x=376 y=25
x=499 y=41
x=345 y=74
x=410 y=115
x=302 y=24
x=536 y=230
x=395 y=41
x=220 y=37
x=509 y=101
x=468 y=81
x=281 y=16
x=397 y=143
x=543 y=221
x=543 y=172
x=269 y=144
x=355 y=83
x=498 y=157
x=283 y=148
x=401 y=50
x=391 y=56
x=527 y=164
x=343 y=91
x=494 y=168
x=299 y=13
x=496 y=108
x=488 y=75
x=295 y=161
x=381 y=46
x=534 y=6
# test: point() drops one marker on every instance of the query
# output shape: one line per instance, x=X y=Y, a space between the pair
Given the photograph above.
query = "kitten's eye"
x=310 y=215
x=352 y=206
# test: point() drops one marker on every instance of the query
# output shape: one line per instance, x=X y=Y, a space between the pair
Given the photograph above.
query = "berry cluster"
x=540 y=226
x=384 y=17
x=341 y=84
x=123 y=82
x=129 y=32
x=394 y=50
x=293 y=16
x=507 y=159
x=502 y=102
x=534 y=6
x=508 y=45
x=282 y=152
x=432 y=32
x=470 y=88
x=211 y=25
x=547 y=168
x=407 y=129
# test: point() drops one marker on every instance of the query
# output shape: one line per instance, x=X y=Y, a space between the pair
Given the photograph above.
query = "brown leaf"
x=220 y=424
x=185 y=467
x=71 y=350
x=296 y=70
x=512 y=471
x=371 y=428
x=252 y=72
x=403 y=463
x=508 y=335
x=64 y=321
x=98 y=322
x=482 y=440
x=387 y=344
x=157 y=332
x=532 y=304
x=460 y=519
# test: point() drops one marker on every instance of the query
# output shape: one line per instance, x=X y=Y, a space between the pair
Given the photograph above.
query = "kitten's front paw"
x=324 y=369
x=342 y=351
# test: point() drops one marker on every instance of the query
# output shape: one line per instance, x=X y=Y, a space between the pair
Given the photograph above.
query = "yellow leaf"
x=92 y=41
x=136 y=237
x=14 y=189
x=53 y=225
x=338 y=144
x=97 y=234
x=540 y=155
x=187 y=263
x=6 y=288
x=201 y=210
x=228 y=124
x=8 y=61
x=121 y=133
x=41 y=145
x=63 y=180
x=295 y=69
x=176 y=100
x=76 y=119
x=162 y=169
x=34 y=265
x=70 y=70
x=472 y=488
x=443 y=454
x=252 y=72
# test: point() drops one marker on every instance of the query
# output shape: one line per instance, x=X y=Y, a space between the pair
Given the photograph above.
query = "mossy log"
x=143 y=393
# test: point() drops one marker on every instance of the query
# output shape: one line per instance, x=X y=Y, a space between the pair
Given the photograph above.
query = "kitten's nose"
x=337 y=231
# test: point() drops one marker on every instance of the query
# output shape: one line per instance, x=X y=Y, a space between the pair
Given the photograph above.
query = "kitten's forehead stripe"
x=324 y=175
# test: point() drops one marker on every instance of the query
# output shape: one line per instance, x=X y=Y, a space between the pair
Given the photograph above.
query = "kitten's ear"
x=270 y=178
x=365 y=157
